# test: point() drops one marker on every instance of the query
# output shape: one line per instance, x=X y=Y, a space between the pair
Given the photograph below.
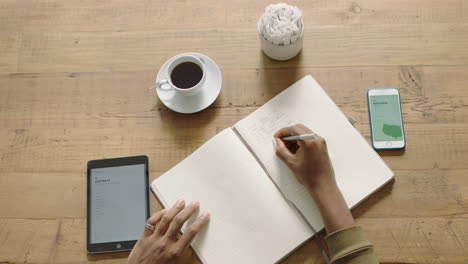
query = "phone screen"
x=386 y=118
x=118 y=203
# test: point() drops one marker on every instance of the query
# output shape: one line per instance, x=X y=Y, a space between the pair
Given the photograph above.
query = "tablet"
x=118 y=203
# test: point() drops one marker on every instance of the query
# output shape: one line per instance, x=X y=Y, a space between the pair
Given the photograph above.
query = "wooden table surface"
x=74 y=78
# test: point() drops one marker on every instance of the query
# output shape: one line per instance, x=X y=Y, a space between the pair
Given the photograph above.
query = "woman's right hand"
x=308 y=159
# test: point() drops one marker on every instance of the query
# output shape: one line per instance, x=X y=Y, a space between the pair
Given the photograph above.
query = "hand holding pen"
x=305 y=153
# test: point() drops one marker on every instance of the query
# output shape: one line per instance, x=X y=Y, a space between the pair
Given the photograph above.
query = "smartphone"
x=386 y=120
x=118 y=203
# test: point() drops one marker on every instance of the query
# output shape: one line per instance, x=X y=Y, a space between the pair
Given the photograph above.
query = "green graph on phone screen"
x=386 y=121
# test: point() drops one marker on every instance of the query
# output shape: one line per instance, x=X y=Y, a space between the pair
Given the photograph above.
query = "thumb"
x=282 y=151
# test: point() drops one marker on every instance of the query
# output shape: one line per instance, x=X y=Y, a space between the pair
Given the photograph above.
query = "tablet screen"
x=118 y=203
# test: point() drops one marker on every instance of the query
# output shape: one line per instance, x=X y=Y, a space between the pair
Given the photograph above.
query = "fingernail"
x=195 y=203
x=274 y=142
x=205 y=215
x=180 y=203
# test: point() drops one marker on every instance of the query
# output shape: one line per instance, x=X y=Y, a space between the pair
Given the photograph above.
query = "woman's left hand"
x=163 y=245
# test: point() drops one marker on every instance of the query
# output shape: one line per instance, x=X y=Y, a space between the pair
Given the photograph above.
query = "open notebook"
x=237 y=177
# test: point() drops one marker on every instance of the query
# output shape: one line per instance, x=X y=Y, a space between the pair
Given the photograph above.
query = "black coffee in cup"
x=186 y=75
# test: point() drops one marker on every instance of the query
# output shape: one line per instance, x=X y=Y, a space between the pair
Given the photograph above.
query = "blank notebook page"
x=359 y=170
x=250 y=220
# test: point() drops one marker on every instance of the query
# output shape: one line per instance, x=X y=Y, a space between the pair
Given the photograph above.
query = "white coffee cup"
x=167 y=83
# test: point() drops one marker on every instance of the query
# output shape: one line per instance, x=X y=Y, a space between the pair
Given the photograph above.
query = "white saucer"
x=195 y=103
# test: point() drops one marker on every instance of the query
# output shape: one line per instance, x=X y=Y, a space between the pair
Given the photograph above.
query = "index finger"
x=190 y=232
x=294 y=130
x=180 y=219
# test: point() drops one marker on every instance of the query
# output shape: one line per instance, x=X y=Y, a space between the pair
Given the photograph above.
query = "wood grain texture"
x=397 y=240
x=330 y=45
x=57 y=150
x=422 y=193
x=74 y=80
x=9 y=50
x=107 y=100
x=89 y=15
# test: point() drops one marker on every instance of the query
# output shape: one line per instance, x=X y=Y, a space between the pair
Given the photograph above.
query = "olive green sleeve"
x=350 y=246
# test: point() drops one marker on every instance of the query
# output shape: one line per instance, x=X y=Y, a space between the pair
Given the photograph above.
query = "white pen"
x=300 y=137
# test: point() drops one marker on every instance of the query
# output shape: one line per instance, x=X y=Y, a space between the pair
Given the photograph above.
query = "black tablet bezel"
x=106 y=163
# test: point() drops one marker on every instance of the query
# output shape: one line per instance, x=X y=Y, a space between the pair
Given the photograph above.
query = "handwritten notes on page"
x=358 y=169
x=272 y=121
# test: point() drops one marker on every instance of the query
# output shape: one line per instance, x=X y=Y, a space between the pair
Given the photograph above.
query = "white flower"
x=281 y=24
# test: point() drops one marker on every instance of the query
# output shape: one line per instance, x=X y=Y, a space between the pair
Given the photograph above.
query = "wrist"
x=321 y=183
x=325 y=193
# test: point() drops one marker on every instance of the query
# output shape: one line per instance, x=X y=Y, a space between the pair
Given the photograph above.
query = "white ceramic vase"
x=281 y=52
